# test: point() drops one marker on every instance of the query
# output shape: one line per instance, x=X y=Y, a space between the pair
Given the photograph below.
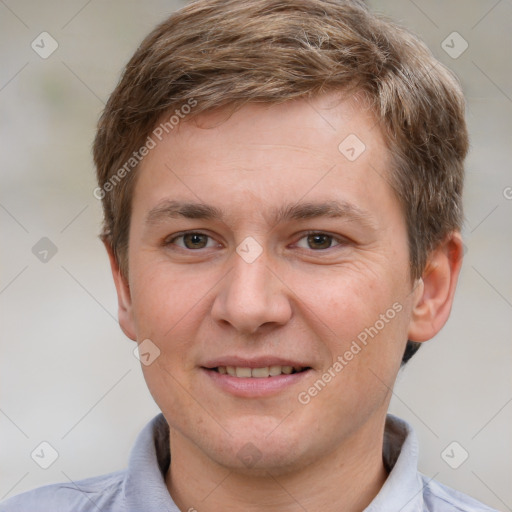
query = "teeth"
x=260 y=372
x=274 y=370
x=266 y=371
x=243 y=372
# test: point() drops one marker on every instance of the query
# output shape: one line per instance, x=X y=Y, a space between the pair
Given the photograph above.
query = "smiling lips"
x=263 y=372
x=260 y=367
x=255 y=377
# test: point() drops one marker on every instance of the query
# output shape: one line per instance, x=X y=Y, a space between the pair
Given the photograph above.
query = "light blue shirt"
x=141 y=487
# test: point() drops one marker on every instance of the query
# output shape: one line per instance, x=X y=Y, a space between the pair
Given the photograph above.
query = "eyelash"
x=340 y=241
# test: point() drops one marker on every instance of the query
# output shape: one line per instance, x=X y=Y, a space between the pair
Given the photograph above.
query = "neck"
x=351 y=475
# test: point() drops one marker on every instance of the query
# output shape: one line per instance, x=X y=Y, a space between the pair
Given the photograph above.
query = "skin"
x=302 y=298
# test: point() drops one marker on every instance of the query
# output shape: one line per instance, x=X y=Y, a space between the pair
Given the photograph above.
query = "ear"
x=125 y=312
x=436 y=288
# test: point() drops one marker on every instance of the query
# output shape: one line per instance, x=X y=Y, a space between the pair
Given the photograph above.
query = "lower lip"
x=253 y=387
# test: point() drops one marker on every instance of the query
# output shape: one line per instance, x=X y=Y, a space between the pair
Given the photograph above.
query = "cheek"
x=163 y=301
x=360 y=316
x=362 y=349
x=347 y=298
x=167 y=310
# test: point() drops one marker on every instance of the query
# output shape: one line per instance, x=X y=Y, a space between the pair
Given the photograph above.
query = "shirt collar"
x=144 y=487
x=403 y=489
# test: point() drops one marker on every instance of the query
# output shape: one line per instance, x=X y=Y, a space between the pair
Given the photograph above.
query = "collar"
x=403 y=489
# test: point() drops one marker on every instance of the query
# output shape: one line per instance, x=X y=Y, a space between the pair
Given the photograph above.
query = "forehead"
x=269 y=155
x=314 y=127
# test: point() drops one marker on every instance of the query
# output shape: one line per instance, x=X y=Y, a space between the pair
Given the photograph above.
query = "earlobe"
x=433 y=297
x=125 y=312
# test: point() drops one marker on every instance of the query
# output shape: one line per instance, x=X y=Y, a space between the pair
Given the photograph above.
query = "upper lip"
x=254 y=362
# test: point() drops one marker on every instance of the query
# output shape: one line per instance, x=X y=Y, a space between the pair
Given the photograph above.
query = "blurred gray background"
x=68 y=375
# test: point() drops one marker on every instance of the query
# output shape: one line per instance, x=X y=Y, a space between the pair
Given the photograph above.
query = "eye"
x=192 y=240
x=317 y=241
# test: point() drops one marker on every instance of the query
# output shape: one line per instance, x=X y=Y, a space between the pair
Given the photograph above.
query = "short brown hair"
x=226 y=53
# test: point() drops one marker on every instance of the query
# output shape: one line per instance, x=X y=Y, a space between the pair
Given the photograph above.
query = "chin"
x=261 y=460
x=259 y=448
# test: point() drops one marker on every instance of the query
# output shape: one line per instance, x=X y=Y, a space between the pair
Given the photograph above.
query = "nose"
x=252 y=298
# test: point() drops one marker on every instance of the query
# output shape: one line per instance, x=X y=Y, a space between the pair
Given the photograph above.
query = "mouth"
x=259 y=373
x=255 y=378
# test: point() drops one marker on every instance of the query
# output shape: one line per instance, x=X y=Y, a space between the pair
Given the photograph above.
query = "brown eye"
x=319 y=241
x=192 y=240
x=195 y=240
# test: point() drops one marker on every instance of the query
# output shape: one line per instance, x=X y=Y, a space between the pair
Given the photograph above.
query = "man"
x=282 y=190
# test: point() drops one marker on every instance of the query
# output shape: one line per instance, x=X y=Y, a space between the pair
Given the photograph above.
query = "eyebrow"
x=298 y=211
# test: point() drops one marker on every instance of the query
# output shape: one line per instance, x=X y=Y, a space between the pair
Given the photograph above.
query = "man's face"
x=307 y=263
